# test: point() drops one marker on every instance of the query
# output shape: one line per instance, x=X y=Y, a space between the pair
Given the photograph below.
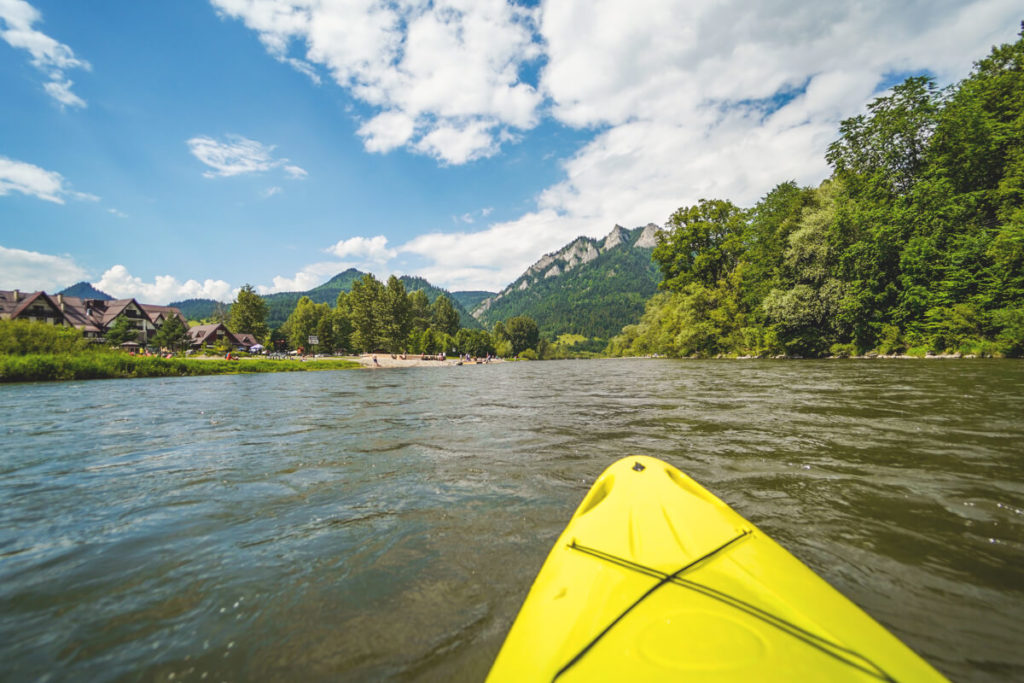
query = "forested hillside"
x=281 y=305
x=85 y=290
x=470 y=299
x=589 y=288
x=202 y=309
x=914 y=244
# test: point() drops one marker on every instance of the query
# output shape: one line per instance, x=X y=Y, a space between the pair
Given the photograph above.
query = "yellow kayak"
x=655 y=578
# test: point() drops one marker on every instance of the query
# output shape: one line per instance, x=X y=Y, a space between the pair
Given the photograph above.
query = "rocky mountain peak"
x=649 y=237
x=616 y=237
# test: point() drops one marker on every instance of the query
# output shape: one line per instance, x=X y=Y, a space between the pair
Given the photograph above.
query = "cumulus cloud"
x=686 y=98
x=444 y=76
x=29 y=179
x=31 y=271
x=489 y=259
x=737 y=99
x=121 y=284
x=312 y=275
x=373 y=250
x=48 y=55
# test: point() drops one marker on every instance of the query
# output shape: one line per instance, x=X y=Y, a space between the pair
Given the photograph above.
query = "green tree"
x=443 y=316
x=172 y=334
x=394 y=315
x=887 y=148
x=364 y=312
x=522 y=333
x=122 y=331
x=249 y=313
x=304 y=322
x=474 y=342
x=700 y=244
x=20 y=337
x=419 y=311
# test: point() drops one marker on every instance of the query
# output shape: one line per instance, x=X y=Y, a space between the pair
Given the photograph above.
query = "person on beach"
x=375 y=361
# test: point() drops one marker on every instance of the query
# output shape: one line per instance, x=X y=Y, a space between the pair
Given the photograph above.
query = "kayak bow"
x=655 y=578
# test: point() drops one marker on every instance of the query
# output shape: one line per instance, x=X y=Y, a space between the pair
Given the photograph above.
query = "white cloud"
x=459 y=143
x=312 y=275
x=31 y=271
x=370 y=250
x=387 y=131
x=121 y=284
x=271 y=191
x=444 y=75
x=29 y=179
x=491 y=258
x=235 y=156
x=735 y=99
x=48 y=55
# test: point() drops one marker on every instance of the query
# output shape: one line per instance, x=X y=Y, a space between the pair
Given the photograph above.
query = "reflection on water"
x=387 y=524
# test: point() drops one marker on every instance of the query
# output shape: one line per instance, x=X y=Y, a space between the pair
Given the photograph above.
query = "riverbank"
x=117 y=365
x=384 y=360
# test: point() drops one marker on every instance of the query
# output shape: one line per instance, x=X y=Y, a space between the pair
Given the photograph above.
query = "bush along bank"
x=47 y=367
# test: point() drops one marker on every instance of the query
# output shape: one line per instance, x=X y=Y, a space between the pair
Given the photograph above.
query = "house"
x=92 y=316
x=208 y=335
x=37 y=306
x=160 y=314
x=246 y=340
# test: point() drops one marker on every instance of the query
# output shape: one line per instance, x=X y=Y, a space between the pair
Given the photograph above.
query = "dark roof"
x=154 y=312
x=13 y=302
x=200 y=333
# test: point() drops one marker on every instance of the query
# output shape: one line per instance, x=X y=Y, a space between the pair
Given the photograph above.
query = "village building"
x=35 y=306
x=92 y=316
x=210 y=334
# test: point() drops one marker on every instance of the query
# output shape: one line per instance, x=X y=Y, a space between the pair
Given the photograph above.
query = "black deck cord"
x=809 y=638
x=667 y=579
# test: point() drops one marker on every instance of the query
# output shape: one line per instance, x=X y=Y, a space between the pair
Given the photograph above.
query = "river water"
x=369 y=525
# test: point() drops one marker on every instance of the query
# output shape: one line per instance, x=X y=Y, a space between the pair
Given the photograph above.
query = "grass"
x=109 y=365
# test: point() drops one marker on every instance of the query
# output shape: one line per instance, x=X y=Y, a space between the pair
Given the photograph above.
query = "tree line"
x=375 y=316
x=914 y=244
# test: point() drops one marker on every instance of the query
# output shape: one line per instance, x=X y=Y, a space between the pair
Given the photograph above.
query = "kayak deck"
x=655 y=578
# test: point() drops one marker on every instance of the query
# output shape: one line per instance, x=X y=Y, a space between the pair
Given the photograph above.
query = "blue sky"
x=174 y=150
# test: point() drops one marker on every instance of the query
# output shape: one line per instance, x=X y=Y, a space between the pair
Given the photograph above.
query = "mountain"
x=589 y=287
x=84 y=290
x=200 y=309
x=471 y=299
x=280 y=305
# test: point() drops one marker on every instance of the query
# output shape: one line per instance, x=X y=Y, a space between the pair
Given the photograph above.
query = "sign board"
x=313 y=339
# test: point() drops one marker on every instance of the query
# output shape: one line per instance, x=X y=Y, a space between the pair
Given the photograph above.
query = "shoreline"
x=385 y=360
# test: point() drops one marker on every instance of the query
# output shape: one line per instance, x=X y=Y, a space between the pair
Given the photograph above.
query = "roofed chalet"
x=92 y=316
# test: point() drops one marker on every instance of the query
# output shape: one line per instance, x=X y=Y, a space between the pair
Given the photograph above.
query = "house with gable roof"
x=37 y=306
x=208 y=335
x=92 y=316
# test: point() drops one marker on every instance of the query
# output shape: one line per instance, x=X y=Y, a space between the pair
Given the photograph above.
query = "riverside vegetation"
x=914 y=244
x=34 y=351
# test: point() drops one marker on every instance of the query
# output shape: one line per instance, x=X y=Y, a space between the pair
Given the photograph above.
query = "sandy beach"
x=411 y=361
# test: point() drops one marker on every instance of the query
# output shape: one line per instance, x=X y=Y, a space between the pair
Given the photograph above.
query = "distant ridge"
x=471 y=299
x=281 y=304
x=199 y=309
x=84 y=290
x=591 y=287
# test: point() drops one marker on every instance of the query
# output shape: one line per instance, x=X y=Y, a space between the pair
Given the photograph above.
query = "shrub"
x=20 y=337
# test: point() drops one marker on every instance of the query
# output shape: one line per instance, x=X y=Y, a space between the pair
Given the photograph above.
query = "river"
x=386 y=524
